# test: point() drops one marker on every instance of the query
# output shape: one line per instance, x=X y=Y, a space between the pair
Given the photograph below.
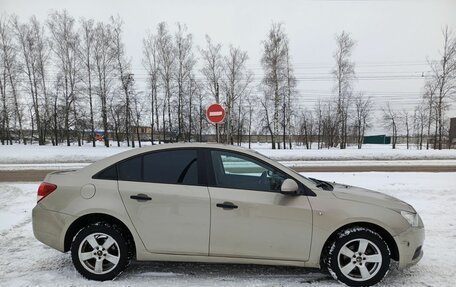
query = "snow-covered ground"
x=33 y=154
x=26 y=262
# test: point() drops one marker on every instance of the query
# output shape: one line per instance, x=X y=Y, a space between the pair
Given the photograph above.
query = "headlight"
x=412 y=218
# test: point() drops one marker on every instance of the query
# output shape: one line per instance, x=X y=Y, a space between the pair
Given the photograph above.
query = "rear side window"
x=109 y=173
x=172 y=167
x=130 y=169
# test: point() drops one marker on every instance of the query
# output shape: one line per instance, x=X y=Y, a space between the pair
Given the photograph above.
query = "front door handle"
x=141 y=197
x=227 y=205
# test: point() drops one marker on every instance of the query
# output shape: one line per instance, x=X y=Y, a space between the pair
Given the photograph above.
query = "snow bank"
x=33 y=154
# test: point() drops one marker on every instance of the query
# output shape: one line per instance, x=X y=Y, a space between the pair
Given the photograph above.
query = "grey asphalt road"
x=38 y=175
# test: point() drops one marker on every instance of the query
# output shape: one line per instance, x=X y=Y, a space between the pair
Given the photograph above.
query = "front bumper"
x=49 y=226
x=410 y=245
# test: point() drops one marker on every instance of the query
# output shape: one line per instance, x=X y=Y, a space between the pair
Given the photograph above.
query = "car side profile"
x=221 y=204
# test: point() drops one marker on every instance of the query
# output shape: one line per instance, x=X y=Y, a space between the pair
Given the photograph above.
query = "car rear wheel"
x=358 y=257
x=100 y=252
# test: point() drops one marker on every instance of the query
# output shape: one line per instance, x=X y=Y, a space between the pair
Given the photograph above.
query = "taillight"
x=44 y=190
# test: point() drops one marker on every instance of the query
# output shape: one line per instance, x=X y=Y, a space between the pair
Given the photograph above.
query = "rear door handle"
x=141 y=197
x=227 y=205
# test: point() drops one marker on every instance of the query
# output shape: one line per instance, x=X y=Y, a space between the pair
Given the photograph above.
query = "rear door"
x=250 y=217
x=167 y=199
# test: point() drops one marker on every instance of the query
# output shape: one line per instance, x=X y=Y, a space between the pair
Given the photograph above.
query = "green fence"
x=378 y=139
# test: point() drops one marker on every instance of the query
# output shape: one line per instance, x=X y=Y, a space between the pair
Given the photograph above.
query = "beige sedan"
x=215 y=203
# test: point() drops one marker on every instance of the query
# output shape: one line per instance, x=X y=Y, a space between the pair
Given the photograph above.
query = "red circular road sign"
x=215 y=113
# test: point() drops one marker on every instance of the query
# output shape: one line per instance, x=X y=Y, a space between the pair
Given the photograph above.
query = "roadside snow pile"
x=366 y=153
x=26 y=262
x=33 y=154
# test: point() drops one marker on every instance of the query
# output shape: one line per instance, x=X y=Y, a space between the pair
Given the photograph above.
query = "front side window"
x=233 y=170
x=172 y=167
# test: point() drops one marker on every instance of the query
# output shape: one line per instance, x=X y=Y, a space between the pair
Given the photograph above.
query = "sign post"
x=215 y=114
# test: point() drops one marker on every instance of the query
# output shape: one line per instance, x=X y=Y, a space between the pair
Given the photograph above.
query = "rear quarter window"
x=130 y=169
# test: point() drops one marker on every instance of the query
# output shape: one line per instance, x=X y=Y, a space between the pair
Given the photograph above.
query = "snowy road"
x=26 y=262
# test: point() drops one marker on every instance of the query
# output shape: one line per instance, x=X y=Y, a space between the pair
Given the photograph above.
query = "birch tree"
x=65 y=43
x=150 y=63
x=104 y=59
x=87 y=32
x=235 y=85
x=11 y=73
x=274 y=60
x=124 y=74
x=166 y=64
x=34 y=57
x=185 y=61
x=212 y=71
x=344 y=74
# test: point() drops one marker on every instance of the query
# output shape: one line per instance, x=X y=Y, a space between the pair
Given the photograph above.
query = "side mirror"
x=289 y=186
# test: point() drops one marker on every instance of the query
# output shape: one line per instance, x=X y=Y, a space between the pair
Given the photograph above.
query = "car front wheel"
x=358 y=257
x=100 y=252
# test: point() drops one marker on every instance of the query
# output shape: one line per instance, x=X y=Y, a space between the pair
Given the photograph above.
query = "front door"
x=250 y=217
x=166 y=201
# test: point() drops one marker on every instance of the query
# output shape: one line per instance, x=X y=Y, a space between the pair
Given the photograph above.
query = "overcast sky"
x=394 y=37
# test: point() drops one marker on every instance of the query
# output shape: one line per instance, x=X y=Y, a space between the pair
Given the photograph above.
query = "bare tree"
x=124 y=74
x=212 y=71
x=65 y=43
x=274 y=62
x=234 y=85
x=185 y=61
x=5 y=107
x=287 y=108
x=363 y=109
x=251 y=104
x=444 y=79
x=429 y=98
x=391 y=122
x=34 y=53
x=419 y=123
x=406 y=120
x=307 y=128
x=104 y=59
x=194 y=89
x=329 y=125
x=344 y=73
x=137 y=110
x=86 y=54
x=200 y=113
x=318 y=110
x=117 y=113
x=150 y=63
x=166 y=64
x=267 y=124
x=11 y=70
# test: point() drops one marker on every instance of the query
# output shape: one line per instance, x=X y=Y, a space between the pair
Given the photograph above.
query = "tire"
x=358 y=257
x=100 y=251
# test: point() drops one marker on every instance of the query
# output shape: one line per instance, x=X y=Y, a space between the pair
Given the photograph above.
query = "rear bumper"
x=410 y=245
x=49 y=226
